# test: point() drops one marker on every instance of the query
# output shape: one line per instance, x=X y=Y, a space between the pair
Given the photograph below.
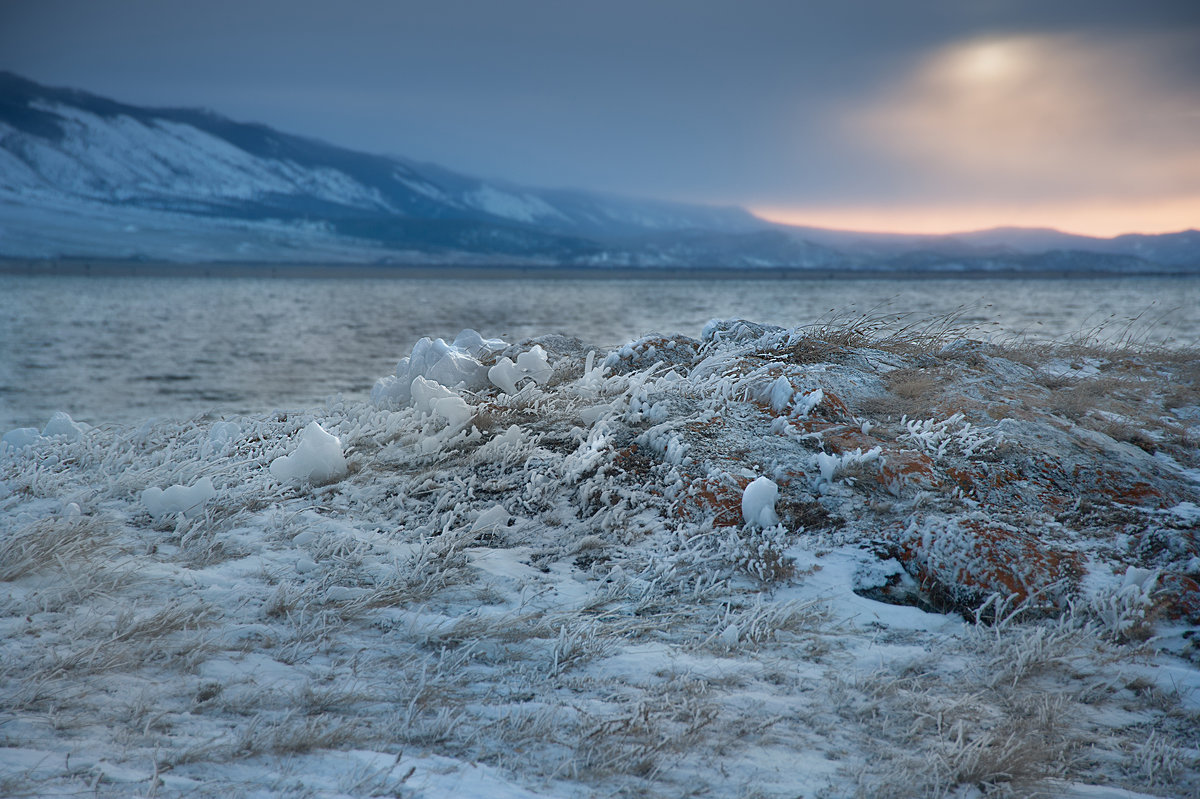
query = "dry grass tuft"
x=51 y=544
x=912 y=384
x=911 y=391
x=1127 y=433
x=635 y=742
x=894 y=332
x=136 y=639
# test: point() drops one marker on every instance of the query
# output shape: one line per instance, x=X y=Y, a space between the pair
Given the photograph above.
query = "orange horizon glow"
x=1103 y=220
x=1081 y=135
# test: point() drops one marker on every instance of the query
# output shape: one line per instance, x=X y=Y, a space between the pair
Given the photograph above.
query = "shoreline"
x=121 y=268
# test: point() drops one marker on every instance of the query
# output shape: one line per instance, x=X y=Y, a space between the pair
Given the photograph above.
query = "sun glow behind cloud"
x=1052 y=131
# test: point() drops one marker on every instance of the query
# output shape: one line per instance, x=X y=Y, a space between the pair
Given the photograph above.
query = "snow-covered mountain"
x=86 y=176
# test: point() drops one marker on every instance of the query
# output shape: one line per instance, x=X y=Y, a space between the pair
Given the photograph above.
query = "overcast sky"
x=915 y=115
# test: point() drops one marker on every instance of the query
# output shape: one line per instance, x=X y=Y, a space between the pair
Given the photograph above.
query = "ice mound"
x=758 y=503
x=491 y=519
x=188 y=500
x=222 y=435
x=318 y=459
x=532 y=364
x=456 y=366
x=61 y=424
x=433 y=398
x=60 y=427
x=20 y=438
x=476 y=345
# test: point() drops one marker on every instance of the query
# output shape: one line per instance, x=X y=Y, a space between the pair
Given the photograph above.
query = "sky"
x=927 y=116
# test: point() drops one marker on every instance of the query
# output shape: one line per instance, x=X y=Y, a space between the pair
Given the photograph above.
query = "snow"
x=659 y=571
x=91 y=161
x=317 y=459
x=1188 y=511
x=520 y=207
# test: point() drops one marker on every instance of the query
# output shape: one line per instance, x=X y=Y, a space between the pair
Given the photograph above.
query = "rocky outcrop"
x=964 y=462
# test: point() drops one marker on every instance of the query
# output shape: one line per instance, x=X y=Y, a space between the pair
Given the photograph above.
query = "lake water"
x=120 y=349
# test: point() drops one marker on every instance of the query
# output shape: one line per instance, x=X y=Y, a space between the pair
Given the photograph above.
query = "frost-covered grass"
x=546 y=585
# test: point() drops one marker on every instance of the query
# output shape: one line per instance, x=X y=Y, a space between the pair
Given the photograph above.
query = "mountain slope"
x=86 y=176
x=63 y=149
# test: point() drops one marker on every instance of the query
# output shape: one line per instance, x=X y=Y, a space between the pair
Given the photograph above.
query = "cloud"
x=1045 y=117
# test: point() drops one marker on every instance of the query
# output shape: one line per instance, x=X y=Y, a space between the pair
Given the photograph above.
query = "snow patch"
x=521 y=207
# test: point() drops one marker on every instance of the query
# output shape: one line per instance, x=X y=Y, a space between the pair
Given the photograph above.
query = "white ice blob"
x=431 y=397
x=63 y=426
x=533 y=364
x=454 y=365
x=780 y=394
x=222 y=434
x=19 y=439
x=758 y=503
x=491 y=519
x=318 y=459
x=476 y=345
x=188 y=500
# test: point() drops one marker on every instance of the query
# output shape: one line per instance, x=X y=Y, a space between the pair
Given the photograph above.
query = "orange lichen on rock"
x=844 y=438
x=833 y=407
x=902 y=469
x=1178 y=598
x=980 y=481
x=971 y=559
x=720 y=496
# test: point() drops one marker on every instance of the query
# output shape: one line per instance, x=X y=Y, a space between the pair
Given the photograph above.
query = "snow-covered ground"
x=767 y=562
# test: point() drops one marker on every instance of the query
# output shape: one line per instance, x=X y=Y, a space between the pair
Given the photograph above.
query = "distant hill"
x=89 y=177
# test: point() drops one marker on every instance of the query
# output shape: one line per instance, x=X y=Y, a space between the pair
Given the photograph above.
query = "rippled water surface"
x=120 y=349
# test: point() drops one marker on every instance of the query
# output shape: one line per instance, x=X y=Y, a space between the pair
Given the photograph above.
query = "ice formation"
x=62 y=425
x=20 y=438
x=493 y=518
x=318 y=458
x=223 y=435
x=188 y=500
x=431 y=397
x=434 y=377
x=455 y=366
x=532 y=364
x=758 y=503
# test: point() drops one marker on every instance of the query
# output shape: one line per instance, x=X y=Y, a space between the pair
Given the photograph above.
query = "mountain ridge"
x=83 y=175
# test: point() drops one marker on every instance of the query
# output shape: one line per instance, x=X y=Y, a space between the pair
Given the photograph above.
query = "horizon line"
x=1093 y=221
